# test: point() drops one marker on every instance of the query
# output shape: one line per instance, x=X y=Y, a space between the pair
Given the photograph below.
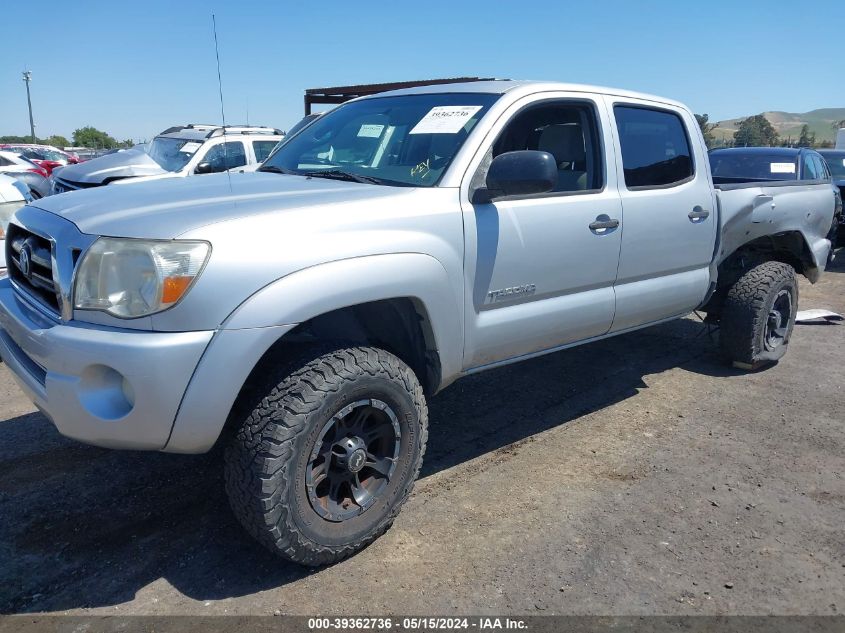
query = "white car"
x=12 y=162
x=20 y=168
x=13 y=195
x=180 y=151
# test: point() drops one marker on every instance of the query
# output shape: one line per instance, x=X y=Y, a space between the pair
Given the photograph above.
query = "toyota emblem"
x=25 y=262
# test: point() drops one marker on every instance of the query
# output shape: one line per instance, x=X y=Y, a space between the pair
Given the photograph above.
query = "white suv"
x=177 y=152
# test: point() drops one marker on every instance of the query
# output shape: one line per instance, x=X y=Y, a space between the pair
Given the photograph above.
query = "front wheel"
x=320 y=467
x=758 y=315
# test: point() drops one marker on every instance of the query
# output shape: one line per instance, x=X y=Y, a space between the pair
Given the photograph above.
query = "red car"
x=45 y=156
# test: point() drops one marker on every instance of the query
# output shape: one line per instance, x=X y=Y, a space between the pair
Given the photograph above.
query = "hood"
x=165 y=209
x=127 y=164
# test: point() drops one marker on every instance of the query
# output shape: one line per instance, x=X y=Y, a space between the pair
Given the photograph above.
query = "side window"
x=655 y=147
x=810 y=168
x=5 y=162
x=226 y=156
x=821 y=167
x=567 y=131
x=262 y=149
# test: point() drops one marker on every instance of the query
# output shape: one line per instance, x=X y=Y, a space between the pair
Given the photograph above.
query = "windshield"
x=40 y=153
x=836 y=163
x=172 y=154
x=753 y=166
x=401 y=141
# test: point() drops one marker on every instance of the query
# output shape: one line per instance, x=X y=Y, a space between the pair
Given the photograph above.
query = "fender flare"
x=270 y=313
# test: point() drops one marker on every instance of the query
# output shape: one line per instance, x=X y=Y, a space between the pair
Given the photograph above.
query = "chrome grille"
x=60 y=185
x=29 y=258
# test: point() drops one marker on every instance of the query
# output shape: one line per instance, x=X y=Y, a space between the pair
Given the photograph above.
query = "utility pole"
x=27 y=77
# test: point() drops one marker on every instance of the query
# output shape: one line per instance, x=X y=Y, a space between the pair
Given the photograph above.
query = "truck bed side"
x=750 y=211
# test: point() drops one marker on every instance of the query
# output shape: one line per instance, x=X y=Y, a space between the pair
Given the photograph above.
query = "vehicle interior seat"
x=566 y=143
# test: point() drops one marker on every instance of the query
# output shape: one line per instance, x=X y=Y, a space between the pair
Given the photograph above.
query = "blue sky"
x=135 y=68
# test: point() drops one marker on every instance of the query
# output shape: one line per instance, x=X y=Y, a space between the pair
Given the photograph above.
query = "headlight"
x=133 y=278
x=7 y=210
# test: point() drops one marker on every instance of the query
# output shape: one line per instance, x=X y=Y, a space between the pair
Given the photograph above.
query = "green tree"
x=804 y=139
x=92 y=137
x=706 y=128
x=755 y=131
x=57 y=140
x=11 y=138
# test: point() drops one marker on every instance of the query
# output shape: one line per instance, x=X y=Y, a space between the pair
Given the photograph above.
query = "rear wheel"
x=321 y=465
x=758 y=315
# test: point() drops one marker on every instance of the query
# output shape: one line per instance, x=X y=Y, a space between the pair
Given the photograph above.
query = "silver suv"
x=178 y=152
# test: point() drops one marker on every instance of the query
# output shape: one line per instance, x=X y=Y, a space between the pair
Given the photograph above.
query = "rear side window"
x=655 y=147
x=821 y=167
x=226 y=156
x=262 y=149
x=5 y=162
x=811 y=169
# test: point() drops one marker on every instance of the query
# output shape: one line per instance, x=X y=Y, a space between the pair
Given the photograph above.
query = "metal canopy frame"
x=342 y=94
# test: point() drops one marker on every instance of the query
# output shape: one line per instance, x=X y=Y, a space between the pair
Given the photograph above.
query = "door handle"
x=603 y=224
x=698 y=215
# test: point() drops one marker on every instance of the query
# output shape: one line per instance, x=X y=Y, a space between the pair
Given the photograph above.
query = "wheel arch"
x=405 y=302
x=788 y=247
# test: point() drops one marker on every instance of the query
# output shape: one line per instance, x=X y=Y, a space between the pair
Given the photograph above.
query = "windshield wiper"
x=337 y=174
x=276 y=170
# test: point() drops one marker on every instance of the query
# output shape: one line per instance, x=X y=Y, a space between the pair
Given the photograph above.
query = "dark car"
x=835 y=159
x=764 y=164
x=759 y=164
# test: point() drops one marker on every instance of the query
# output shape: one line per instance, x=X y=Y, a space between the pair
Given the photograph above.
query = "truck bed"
x=750 y=210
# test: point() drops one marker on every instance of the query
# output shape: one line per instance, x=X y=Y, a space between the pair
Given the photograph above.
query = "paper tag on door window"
x=190 y=148
x=445 y=120
x=782 y=168
x=370 y=130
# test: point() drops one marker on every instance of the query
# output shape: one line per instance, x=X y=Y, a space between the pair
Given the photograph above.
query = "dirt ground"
x=637 y=475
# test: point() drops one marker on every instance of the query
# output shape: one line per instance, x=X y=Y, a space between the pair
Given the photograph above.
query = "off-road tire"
x=267 y=457
x=745 y=314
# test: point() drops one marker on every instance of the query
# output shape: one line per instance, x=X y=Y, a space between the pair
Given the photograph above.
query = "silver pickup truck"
x=301 y=315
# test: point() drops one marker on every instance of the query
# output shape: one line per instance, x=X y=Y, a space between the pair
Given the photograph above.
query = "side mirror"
x=517 y=174
x=204 y=168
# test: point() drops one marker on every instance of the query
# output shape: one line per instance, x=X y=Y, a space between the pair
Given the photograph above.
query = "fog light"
x=105 y=392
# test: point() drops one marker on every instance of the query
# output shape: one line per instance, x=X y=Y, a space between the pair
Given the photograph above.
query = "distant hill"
x=789 y=123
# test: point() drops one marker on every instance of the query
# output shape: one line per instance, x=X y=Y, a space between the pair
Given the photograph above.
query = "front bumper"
x=100 y=385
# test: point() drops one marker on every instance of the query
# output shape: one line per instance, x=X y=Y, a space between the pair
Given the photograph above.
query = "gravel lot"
x=637 y=475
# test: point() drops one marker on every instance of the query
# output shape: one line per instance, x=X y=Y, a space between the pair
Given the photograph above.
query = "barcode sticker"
x=782 y=168
x=445 y=120
x=370 y=130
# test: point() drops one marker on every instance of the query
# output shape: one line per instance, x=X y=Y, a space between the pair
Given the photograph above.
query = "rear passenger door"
x=539 y=268
x=224 y=156
x=669 y=233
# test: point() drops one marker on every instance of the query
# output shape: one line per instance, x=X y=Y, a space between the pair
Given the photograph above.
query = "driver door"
x=539 y=273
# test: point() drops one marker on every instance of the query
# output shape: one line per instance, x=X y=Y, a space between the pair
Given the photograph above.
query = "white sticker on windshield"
x=370 y=130
x=782 y=168
x=445 y=120
x=190 y=148
x=843 y=162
